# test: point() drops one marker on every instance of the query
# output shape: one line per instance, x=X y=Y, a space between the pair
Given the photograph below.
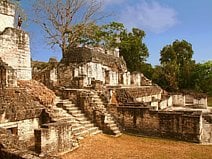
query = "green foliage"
x=177 y=65
x=130 y=44
x=203 y=77
x=133 y=49
x=179 y=72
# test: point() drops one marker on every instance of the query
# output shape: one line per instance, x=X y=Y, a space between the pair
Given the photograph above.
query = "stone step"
x=93 y=129
x=68 y=105
x=80 y=119
x=75 y=111
x=88 y=125
x=77 y=130
x=116 y=131
x=112 y=125
x=79 y=115
x=82 y=133
x=96 y=132
x=66 y=118
x=72 y=108
x=119 y=134
x=114 y=128
x=85 y=122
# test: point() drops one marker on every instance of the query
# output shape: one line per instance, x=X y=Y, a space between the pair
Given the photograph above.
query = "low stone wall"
x=139 y=94
x=190 y=100
x=54 y=138
x=23 y=129
x=142 y=120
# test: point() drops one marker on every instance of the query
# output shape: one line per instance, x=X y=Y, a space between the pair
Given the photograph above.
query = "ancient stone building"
x=84 y=67
x=14 y=48
x=94 y=93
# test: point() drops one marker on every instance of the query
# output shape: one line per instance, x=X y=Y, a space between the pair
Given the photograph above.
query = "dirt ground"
x=132 y=147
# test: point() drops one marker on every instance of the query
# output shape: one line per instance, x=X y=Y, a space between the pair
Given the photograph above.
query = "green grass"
x=210 y=101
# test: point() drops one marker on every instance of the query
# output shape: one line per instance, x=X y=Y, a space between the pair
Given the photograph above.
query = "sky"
x=163 y=21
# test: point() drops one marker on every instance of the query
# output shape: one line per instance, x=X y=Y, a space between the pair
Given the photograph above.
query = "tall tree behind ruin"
x=177 y=65
x=131 y=44
x=64 y=21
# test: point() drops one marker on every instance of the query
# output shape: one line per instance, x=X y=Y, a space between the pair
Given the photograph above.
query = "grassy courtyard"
x=132 y=147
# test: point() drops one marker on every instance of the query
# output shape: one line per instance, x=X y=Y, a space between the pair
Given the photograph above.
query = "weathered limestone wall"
x=181 y=125
x=96 y=71
x=206 y=135
x=189 y=100
x=164 y=103
x=178 y=100
x=7 y=13
x=24 y=129
x=54 y=138
x=14 y=48
x=142 y=120
x=138 y=94
x=138 y=79
x=95 y=55
x=7 y=75
x=15 y=51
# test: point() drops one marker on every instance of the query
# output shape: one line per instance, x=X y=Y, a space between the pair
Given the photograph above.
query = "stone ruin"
x=90 y=91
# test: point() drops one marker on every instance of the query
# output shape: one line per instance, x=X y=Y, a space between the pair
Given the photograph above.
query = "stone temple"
x=47 y=109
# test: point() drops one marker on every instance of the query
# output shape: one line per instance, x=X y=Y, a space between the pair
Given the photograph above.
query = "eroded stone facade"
x=7 y=13
x=14 y=48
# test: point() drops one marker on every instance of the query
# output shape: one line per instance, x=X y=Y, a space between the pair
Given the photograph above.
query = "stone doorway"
x=107 y=77
x=2 y=77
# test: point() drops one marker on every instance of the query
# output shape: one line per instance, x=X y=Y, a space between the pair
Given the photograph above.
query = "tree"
x=176 y=61
x=202 y=77
x=65 y=21
x=131 y=44
x=133 y=49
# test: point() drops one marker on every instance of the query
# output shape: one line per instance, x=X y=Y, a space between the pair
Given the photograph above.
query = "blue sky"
x=162 y=20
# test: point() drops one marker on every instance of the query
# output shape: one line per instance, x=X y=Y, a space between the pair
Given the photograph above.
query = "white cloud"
x=151 y=16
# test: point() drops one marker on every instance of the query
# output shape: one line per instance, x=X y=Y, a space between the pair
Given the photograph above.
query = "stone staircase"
x=109 y=119
x=82 y=127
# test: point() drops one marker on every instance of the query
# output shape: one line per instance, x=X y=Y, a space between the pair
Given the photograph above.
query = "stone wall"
x=7 y=75
x=15 y=51
x=138 y=79
x=206 y=136
x=138 y=94
x=46 y=72
x=24 y=129
x=7 y=13
x=189 y=100
x=55 y=138
x=17 y=105
x=85 y=55
x=142 y=120
x=181 y=125
x=165 y=102
x=19 y=113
